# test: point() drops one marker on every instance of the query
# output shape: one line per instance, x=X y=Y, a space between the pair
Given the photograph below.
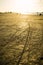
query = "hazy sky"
x=22 y=6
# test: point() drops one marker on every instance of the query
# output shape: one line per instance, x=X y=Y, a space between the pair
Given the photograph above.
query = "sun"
x=25 y=6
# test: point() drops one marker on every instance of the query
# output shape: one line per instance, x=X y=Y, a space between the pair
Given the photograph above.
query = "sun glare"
x=21 y=6
x=23 y=25
x=25 y=6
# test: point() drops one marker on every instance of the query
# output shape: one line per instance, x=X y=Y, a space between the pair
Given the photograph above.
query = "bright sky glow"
x=21 y=6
